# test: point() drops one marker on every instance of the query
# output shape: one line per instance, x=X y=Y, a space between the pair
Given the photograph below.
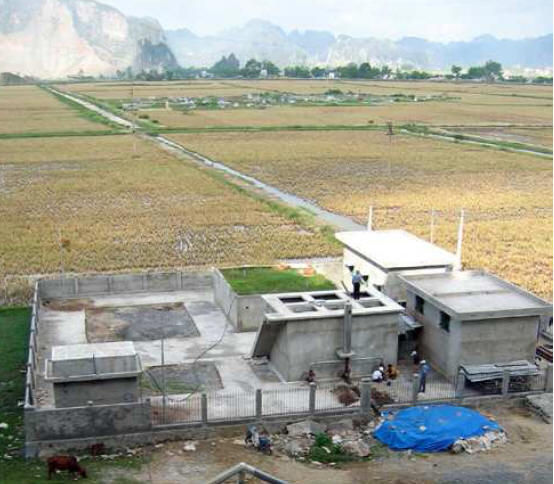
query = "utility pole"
x=433 y=226
x=164 y=390
x=460 y=241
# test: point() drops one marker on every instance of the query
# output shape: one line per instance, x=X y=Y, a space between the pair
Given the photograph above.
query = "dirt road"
x=526 y=458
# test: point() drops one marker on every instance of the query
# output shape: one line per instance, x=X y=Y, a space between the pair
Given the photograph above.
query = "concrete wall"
x=498 y=340
x=82 y=422
x=495 y=340
x=122 y=283
x=100 y=392
x=310 y=341
x=389 y=282
x=245 y=312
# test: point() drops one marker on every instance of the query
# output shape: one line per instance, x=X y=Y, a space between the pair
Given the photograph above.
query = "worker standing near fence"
x=424 y=369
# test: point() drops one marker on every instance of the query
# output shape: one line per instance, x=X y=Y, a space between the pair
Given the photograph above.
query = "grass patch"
x=323 y=450
x=14 y=337
x=263 y=280
x=58 y=134
x=14 y=334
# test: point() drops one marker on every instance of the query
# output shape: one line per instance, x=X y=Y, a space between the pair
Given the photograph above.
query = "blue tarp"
x=431 y=428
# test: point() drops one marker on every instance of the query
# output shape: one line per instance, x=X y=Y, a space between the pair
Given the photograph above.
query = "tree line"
x=230 y=67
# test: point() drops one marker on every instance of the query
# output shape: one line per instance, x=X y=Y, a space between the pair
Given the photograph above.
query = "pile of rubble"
x=481 y=443
x=300 y=437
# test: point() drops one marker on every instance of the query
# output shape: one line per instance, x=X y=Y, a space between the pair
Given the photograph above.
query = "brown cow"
x=65 y=463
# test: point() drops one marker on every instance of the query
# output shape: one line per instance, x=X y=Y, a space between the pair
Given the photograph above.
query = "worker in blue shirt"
x=356 y=281
x=424 y=369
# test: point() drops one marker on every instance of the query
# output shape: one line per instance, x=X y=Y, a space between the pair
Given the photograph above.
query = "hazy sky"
x=432 y=19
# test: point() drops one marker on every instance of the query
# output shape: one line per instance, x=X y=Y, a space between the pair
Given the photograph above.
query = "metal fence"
x=330 y=398
x=32 y=358
x=231 y=405
x=187 y=409
x=287 y=401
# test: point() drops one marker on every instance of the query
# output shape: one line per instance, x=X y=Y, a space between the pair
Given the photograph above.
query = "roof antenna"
x=458 y=265
x=370 y=219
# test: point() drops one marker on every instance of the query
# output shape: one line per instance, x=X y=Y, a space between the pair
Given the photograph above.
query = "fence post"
x=365 y=394
x=548 y=378
x=460 y=384
x=76 y=281
x=313 y=387
x=259 y=404
x=505 y=383
x=204 y=408
x=415 y=387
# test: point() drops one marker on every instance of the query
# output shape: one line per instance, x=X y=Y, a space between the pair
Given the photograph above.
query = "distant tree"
x=349 y=71
x=297 y=71
x=226 y=67
x=418 y=75
x=456 y=70
x=365 y=70
x=475 y=72
x=271 y=68
x=318 y=72
x=386 y=71
x=542 y=80
x=493 y=70
x=252 y=69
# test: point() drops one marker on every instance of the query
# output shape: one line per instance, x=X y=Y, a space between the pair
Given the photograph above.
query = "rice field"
x=507 y=196
x=31 y=110
x=533 y=136
x=127 y=90
x=117 y=209
x=428 y=113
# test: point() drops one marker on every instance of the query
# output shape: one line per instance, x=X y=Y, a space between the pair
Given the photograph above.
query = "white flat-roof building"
x=473 y=318
x=102 y=373
x=383 y=255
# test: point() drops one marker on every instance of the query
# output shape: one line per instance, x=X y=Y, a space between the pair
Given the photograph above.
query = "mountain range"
x=60 y=38
x=260 y=39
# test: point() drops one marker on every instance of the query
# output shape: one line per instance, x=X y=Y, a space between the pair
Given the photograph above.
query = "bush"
x=333 y=91
x=325 y=451
x=143 y=116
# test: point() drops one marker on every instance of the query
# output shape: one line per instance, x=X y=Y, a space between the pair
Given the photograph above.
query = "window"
x=445 y=321
x=419 y=304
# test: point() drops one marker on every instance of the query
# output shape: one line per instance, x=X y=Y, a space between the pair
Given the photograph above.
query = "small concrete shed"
x=473 y=318
x=383 y=255
x=320 y=330
x=102 y=373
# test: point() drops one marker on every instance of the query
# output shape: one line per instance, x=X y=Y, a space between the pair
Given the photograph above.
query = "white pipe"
x=370 y=219
x=458 y=266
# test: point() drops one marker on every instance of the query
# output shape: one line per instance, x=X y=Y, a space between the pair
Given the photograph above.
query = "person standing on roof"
x=424 y=369
x=356 y=282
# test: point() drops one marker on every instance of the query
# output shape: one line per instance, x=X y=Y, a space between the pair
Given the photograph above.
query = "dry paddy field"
x=31 y=110
x=127 y=90
x=507 y=196
x=430 y=113
x=121 y=210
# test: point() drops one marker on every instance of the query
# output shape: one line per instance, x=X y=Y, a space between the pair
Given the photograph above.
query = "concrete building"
x=383 y=255
x=101 y=373
x=473 y=318
x=320 y=330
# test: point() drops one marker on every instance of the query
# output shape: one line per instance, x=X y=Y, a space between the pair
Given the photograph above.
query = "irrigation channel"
x=339 y=221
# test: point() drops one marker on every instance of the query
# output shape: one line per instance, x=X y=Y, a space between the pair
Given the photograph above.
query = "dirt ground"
x=527 y=457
